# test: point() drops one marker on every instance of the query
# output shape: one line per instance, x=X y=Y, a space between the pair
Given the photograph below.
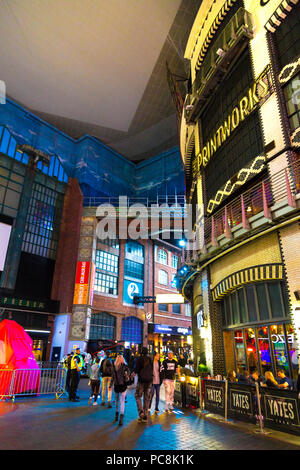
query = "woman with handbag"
x=120 y=379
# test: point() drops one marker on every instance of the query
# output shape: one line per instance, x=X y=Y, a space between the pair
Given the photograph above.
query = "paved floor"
x=47 y=423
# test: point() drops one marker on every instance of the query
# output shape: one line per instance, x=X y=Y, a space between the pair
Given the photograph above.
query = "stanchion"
x=261 y=426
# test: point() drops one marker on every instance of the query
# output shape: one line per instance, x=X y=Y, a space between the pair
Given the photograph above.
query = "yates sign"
x=256 y=95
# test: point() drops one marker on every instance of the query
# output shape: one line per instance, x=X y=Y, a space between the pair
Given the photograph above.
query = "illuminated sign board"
x=257 y=93
x=81 y=291
x=169 y=299
x=172 y=330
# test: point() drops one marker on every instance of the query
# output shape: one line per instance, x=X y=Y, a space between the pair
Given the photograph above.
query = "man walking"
x=169 y=368
x=106 y=370
x=76 y=366
x=144 y=371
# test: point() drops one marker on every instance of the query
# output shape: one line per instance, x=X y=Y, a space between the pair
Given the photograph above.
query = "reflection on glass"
x=264 y=349
x=251 y=349
x=279 y=348
x=239 y=348
x=292 y=346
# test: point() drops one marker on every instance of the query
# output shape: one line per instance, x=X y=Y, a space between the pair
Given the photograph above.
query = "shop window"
x=251 y=350
x=107 y=261
x=291 y=92
x=239 y=348
x=163 y=277
x=292 y=347
x=279 y=348
x=235 y=308
x=174 y=261
x=264 y=348
x=133 y=269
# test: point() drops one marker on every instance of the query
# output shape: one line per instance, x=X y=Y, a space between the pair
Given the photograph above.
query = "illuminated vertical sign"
x=92 y=283
x=81 y=291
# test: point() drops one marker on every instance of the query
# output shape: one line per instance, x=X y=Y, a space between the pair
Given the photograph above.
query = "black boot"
x=117 y=417
x=121 y=420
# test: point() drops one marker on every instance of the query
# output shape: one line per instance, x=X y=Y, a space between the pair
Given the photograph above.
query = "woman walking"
x=120 y=379
x=95 y=381
x=156 y=381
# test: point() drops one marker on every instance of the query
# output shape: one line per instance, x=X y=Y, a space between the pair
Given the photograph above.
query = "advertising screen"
x=4 y=240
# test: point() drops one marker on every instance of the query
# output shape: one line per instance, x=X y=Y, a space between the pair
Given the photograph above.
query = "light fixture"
x=220 y=52
x=182 y=243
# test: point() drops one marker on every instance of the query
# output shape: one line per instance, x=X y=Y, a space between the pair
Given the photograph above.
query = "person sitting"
x=243 y=377
x=255 y=377
x=231 y=376
x=284 y=381
x=270 y=381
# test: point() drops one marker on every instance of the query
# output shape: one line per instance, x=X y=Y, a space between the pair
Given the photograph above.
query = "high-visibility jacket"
x=77 y=359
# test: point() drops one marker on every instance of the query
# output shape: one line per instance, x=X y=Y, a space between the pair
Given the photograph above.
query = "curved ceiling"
x=98 y=67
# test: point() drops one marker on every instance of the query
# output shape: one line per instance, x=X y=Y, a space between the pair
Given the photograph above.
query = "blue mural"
x=100 y=170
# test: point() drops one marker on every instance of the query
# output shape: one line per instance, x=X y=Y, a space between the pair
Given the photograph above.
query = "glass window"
x=239 y=348
x=275 y=300
x=279 y=348
x=242 y=305
x=133 y=269
x=163 y=307
x=228 y=310
x=114 y=243
x=234 y=302
x=293 y=348
x=107 y=261
x=162 y=257
x=163 y=277
x=188 y=310
x=134 y=248
x=264 y=349
x=251 y=302
x=106 y=283
x=102 y=326
x=251 y=350
x=174 y=261
x=132 y=330
x=262 y=301
x=176 y=308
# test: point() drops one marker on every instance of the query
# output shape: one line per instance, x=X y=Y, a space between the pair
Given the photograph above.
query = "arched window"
x=103 y=326
x=163 y=277
x=132 y=330
x=162 y=257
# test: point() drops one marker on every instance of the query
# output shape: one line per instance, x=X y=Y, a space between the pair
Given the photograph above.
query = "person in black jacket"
x=106 y=370
x=169 y=368
x=144 y=371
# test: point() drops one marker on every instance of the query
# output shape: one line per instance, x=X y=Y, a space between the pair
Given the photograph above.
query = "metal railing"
x=32 y=382
x=259 y=198
x=177 y=201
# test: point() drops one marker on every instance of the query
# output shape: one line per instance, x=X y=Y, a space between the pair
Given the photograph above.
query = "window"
x=113 y=243
x=107 y=261
x=174 y=261
x=188 y=310
x=162 y=257
x=134 y=248
x=106 y=283
x=291 y=92
x=132 y=330
x=163 y=277
x=133 y=269
x=176 y=308
x=163 y=307
x=102 y=326
x=173 y=282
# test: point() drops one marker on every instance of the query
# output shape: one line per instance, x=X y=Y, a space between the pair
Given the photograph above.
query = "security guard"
x=76 y=366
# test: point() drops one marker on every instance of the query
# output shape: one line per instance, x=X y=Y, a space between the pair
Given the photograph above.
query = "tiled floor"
x=47 y=423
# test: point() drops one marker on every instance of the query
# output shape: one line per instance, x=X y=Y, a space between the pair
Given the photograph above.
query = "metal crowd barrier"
x=32 y=382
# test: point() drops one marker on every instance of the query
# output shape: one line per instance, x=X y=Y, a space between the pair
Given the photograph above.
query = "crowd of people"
x=146 y=373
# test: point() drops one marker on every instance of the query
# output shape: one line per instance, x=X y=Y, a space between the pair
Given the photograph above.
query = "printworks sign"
x=255 y=96
x=281 y=409
x=11 y=301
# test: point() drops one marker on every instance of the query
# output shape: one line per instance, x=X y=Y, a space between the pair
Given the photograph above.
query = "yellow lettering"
x=227 y=128
x=204 y=156
x=265 y=88
x=244 y=107
x=213 y=144
x=219 y=135
x=235 y=118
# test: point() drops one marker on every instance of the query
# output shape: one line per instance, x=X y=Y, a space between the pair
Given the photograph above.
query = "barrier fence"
x=33 y=382
x=273 y=408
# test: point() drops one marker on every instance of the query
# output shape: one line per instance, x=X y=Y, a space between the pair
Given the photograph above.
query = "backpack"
x=107 y=367
x=146 y=373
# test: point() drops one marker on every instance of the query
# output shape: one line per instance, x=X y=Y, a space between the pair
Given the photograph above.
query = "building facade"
x=239 y=142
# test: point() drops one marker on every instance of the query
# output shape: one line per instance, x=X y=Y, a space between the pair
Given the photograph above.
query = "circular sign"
x=132 y=289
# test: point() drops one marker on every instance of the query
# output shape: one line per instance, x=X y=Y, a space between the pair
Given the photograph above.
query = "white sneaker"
x=95 y=403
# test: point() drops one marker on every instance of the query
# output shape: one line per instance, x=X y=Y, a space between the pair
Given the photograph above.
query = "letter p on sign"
x=2 y=92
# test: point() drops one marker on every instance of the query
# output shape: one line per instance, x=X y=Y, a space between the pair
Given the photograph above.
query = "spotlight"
x=182 y=243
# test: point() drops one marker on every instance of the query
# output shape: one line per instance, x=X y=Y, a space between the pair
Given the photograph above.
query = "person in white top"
x=156 y=382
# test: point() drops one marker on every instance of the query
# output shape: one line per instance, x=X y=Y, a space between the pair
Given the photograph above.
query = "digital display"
x=4 y=240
